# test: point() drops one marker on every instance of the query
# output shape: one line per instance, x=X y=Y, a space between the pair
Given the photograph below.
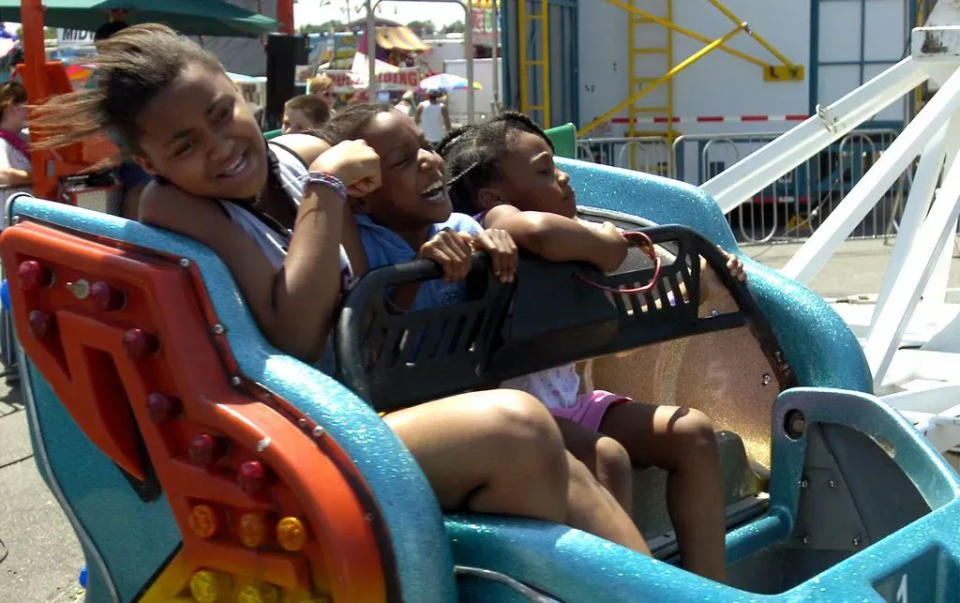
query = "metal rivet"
x=805 y=539
x=368 y=517
x=832 y=483
x=318 y=431
x=219 y=329
x=856 y=541
x=766 y=379
x=236 y=381
x=714 y=313
x=184 y=263
x=804 y=483
x=15 y=220
x=302 y=422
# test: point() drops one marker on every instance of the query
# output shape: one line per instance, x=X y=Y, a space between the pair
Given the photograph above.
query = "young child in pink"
x=503 y=172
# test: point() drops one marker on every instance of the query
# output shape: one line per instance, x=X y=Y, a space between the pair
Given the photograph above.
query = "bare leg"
x=680 y=440
x=500 y=451
x=605 y=457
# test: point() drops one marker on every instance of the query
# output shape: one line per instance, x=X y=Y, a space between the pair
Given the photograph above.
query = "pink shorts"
x=590 y=408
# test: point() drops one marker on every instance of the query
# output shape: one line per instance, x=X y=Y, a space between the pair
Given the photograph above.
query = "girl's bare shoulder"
x=171 y=208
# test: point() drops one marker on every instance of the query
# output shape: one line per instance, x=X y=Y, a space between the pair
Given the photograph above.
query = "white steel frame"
x=919 y=264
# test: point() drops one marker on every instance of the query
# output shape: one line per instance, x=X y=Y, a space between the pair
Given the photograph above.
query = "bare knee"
x=694 y=432
x=520 y=416
x=612 y=458
x=522 y=427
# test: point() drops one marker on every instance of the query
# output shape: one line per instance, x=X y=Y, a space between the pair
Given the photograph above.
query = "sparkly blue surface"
x=832 y=358
x=409 y=508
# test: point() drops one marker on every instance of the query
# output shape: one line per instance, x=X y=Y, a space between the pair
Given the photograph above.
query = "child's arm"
x=293 y=306
x=560 y=239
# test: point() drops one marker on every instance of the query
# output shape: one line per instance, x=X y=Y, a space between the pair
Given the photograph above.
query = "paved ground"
x=40 y=556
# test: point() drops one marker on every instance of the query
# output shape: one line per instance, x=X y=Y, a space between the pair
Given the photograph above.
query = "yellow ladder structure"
x=540 y=62
x=646 y=41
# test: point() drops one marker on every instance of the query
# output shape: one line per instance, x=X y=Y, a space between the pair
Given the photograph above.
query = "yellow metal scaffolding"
x=640 y=28
x=640 y=87
x=539 y=23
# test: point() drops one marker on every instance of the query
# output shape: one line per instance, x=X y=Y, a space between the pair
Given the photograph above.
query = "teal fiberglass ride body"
x=852 y=466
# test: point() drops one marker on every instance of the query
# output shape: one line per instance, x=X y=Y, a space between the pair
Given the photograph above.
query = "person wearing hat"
x=432 y=117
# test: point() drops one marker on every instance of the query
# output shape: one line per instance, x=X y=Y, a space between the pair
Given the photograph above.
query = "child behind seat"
x=503 y=171
x=275 y=216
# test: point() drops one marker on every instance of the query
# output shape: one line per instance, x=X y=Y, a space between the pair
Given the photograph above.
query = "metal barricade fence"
x=789 y=209
x=795 y=204
x=649 y=154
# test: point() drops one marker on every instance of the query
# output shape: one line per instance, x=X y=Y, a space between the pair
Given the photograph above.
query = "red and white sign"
x=710 y=119
x=346 y=80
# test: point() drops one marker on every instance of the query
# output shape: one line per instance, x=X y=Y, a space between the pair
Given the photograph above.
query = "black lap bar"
x=553 y=313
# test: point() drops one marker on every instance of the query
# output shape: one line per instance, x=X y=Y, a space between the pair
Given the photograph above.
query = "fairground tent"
x=193 y=17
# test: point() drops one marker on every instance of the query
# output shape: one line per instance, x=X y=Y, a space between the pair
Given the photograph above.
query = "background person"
x=433 y=118
x=16 y=174
x=304 y=113
x=322 y=86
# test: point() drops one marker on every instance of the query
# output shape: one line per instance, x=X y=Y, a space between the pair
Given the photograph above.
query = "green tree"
x=455 y=27
x=422 y=28
x=325 y=27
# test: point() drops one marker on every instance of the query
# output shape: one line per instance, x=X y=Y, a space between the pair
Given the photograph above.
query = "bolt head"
x=218 y=329
x=805 y=539
x=318 y=431
x=856 y=541
x=767 y=379
x=804 y=483
x=184 y=263
x=832 y=483
x=236 y=381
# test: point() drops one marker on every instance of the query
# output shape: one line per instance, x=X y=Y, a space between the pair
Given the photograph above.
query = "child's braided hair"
x=472 y=155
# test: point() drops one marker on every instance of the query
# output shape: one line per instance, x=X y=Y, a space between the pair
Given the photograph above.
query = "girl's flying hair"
x=131 y=67
x=472 y=155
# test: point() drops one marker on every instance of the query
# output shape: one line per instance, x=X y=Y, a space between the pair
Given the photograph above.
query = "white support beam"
x=808 y=260
x=935 y=400
x=750 y=175
x=934 y=234
x=915 y=210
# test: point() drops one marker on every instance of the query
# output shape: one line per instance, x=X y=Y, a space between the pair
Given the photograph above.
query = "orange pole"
x=285 y=16
x=34 y=74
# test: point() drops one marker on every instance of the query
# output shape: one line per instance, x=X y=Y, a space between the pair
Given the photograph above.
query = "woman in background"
x=16 y=174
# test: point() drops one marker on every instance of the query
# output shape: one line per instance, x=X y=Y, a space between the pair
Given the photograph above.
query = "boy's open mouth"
x=435 y=193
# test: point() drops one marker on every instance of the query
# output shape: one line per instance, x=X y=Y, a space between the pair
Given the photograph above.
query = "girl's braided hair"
x=472 y=155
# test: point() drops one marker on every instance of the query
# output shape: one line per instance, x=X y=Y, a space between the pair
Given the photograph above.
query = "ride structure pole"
x=34 y=73
x=285 y=16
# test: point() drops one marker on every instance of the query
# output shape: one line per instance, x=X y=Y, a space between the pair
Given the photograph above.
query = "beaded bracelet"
x=331 y=182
